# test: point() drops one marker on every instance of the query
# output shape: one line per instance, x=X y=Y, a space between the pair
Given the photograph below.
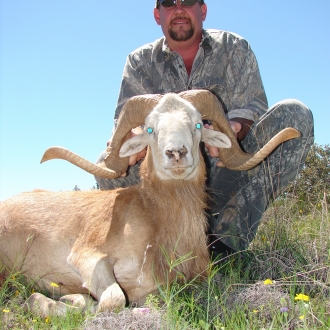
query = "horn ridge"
x=132 y=115
x=284 y=135
x=65 y=154
x=234 y=157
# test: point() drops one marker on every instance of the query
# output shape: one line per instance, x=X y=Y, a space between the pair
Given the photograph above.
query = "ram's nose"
x=177 y=154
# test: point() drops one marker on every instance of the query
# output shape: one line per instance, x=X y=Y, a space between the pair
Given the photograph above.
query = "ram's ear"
x=134 y=145
x=215 y=138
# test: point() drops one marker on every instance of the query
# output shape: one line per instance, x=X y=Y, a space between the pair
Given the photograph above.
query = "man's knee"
x=286 y=113
x=294 y=113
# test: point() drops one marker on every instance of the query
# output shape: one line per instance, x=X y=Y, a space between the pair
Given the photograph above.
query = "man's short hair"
x=157 y=2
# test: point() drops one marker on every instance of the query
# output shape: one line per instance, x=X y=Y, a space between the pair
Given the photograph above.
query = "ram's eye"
x=149 y=130
x=198 y=126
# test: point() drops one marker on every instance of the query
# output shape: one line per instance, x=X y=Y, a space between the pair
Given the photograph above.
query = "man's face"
x=181 y=23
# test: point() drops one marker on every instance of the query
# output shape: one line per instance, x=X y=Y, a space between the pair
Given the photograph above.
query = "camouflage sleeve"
x=245 y=91
x=135 y=81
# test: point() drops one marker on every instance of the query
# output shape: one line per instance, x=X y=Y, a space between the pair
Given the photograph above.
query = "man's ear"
x=157 y=15
x=204 y=11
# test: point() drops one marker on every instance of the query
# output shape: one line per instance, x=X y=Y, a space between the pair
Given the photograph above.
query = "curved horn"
x=233 y=158
x=132 y=115
x=62 y=153
x=282 y=136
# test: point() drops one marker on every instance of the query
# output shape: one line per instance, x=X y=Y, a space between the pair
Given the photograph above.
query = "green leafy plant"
x=313 y=182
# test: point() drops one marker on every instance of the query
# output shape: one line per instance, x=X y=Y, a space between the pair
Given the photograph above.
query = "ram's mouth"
x=179 y=171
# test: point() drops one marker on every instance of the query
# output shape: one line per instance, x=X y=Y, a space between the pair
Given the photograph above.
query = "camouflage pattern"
x=225 y=65
x=239 y=198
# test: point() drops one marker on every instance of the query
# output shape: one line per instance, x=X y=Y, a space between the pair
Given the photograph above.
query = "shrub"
x=312 y=185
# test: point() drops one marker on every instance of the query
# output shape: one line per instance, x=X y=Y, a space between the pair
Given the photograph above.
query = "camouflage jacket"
x=224 y=64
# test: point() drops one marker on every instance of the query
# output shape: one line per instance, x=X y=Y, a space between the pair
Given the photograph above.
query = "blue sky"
x=61 y=63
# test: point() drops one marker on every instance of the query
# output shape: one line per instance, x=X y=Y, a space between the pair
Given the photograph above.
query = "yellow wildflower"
x=6 y=310
x=268 y=281
x=47 y=320
x=302 y=317
x=301 y=296
x=54 y=285
x=255 y=311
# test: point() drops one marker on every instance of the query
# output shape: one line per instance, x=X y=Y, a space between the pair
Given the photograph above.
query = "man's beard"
x=181 y=35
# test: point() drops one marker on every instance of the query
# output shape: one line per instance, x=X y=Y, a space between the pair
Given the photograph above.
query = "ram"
x=117 y=246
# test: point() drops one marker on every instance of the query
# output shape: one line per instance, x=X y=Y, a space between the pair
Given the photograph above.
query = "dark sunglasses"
x=171 y=3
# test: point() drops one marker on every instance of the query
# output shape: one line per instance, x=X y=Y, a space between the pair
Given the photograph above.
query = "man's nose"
x=178 y=6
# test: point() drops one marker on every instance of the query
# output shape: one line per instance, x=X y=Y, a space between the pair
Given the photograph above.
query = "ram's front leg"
x=98 y=278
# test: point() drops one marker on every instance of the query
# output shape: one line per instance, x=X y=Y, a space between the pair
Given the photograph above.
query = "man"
x=189 y=57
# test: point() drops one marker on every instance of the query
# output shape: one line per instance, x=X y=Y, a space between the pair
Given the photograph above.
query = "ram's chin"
x=177 y=173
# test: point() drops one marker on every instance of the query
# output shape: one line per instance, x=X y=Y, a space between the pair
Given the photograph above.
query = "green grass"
x=291 y=248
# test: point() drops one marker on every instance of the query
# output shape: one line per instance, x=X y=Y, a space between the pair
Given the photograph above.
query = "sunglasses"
x=172 y=3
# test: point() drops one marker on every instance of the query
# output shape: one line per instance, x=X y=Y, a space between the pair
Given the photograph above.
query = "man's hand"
x=240 y=127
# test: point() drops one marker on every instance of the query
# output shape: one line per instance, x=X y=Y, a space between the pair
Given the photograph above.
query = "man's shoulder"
x=222 y=36
x=149 y=47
